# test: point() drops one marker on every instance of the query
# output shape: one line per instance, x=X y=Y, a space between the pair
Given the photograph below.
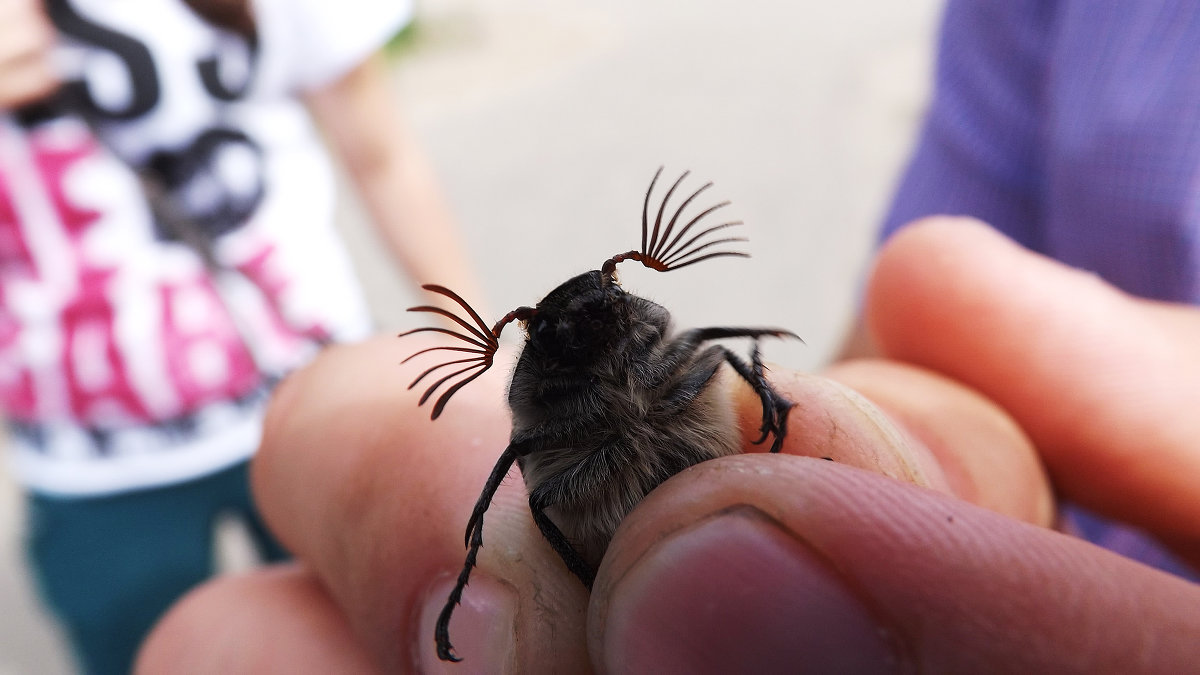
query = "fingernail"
x=481 y=628
x=737 y=593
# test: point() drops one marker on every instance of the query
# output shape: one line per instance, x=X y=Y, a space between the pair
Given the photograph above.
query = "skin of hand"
x=364 y=127
x=26 y=38
x=926 y=545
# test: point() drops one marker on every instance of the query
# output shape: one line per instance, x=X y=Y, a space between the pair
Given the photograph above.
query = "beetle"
x=607 y=401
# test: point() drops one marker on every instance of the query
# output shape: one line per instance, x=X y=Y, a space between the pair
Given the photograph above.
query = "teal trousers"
x=109 y=567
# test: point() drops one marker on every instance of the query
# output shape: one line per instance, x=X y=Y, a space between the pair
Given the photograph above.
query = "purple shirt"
x=1073 y=126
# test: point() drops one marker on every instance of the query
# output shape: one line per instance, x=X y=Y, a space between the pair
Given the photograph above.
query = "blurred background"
x=546 y=120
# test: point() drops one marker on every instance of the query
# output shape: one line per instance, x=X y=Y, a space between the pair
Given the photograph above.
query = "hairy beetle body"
x=607 y=402
x=607 y=428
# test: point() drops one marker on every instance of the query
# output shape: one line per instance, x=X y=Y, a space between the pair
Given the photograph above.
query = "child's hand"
x=26 y=38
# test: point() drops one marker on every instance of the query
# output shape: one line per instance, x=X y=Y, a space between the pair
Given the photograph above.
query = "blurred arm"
x=366 y=130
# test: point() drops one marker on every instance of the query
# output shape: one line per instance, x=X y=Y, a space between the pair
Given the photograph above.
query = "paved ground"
x=547 y=118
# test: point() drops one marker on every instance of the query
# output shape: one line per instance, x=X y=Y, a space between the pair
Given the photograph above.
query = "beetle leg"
x=558 y=541
x=441 y=633
x=775 y=406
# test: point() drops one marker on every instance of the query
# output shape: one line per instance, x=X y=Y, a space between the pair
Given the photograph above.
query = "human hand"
x=923 y=546
x=26 y=38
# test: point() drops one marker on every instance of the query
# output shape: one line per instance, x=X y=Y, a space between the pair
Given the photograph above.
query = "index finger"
x=1105 y=384
x=373 y=496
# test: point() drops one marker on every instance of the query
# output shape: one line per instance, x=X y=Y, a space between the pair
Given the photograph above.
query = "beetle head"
x=580 y=319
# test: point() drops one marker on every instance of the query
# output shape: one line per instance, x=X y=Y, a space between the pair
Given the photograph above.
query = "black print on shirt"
x=199 y=181
x=207 y=187
x=143 y=79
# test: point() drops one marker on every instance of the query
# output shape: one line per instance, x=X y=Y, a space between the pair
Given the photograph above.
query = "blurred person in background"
x=167 y=254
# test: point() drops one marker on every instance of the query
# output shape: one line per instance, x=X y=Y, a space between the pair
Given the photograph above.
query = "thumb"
x=773 y=563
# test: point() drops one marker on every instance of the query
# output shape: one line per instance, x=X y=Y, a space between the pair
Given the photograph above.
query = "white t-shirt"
x=124 y=361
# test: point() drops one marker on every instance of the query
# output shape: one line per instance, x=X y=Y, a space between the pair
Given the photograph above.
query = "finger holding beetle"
x=372 y=497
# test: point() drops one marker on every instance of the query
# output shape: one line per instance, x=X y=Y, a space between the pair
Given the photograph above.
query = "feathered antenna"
x=660 y=251
x=484 y=343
